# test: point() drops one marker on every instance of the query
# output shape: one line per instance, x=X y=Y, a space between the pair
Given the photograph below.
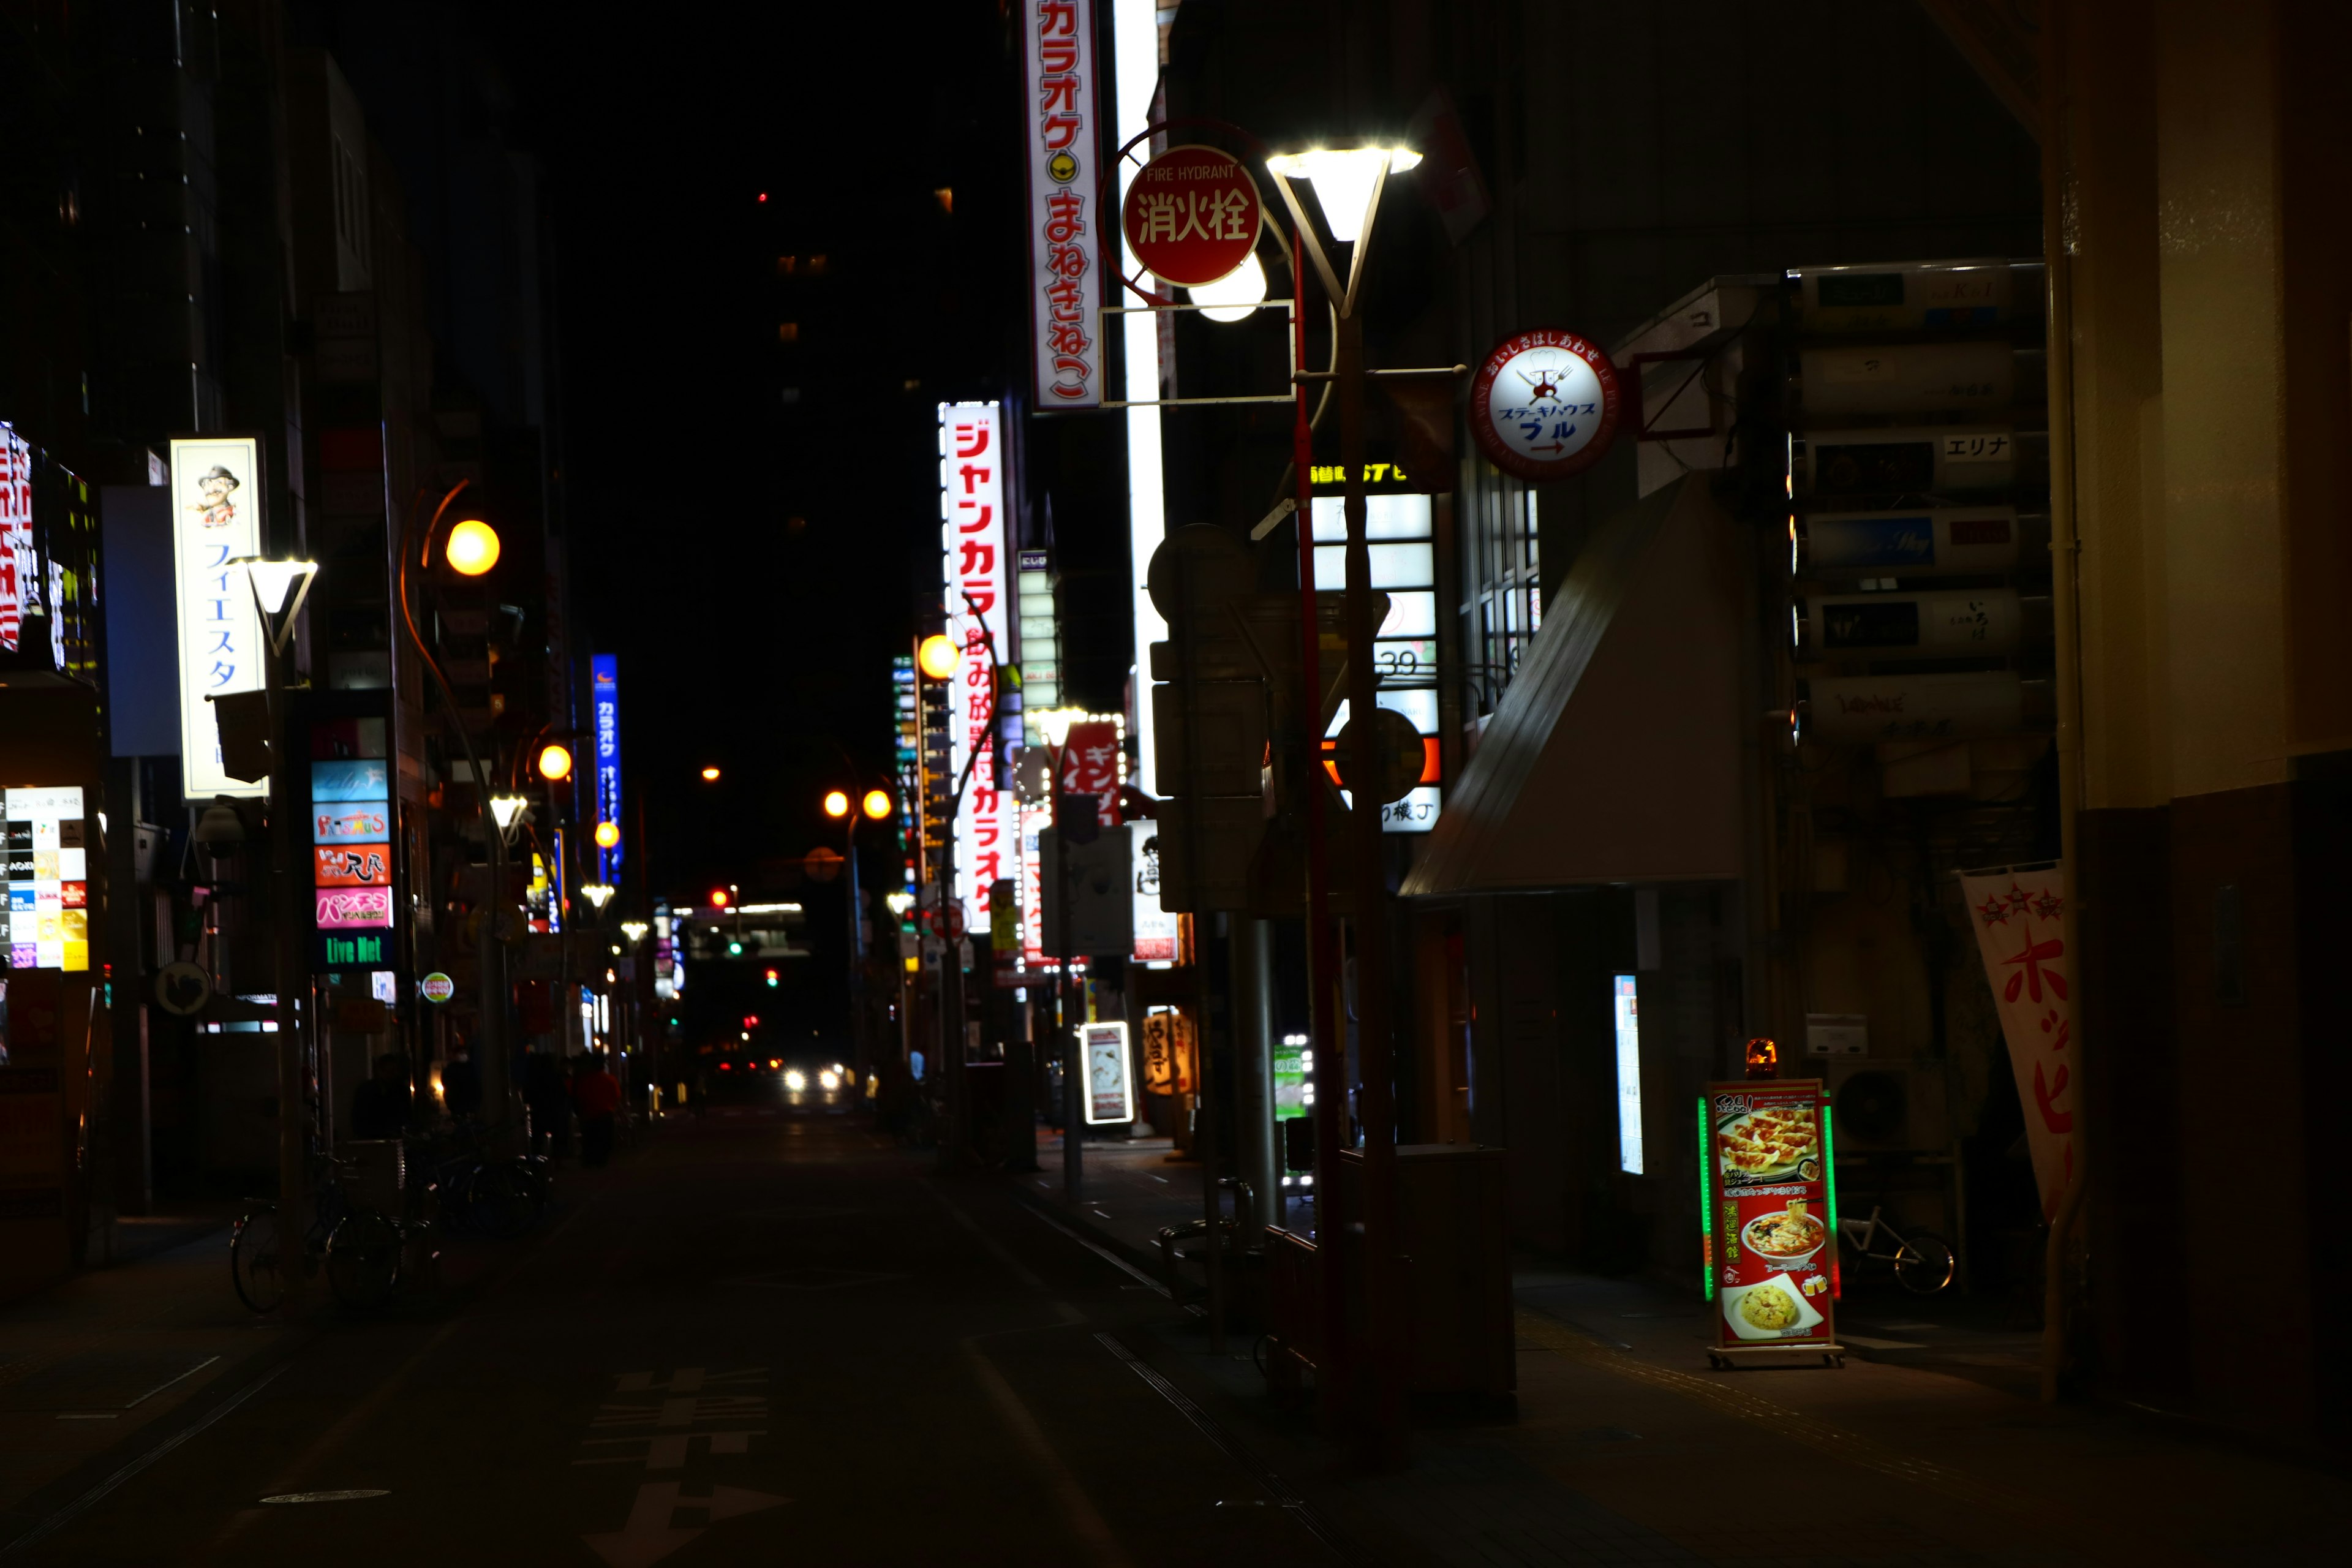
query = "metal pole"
x=1204 y=1122
x=1325 y=1015
x=1253 y=1154
x=1073 y=1065
x=1383 y=1434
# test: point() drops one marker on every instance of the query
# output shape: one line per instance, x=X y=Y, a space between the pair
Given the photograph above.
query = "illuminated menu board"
x=48 y=918
x=352 y=896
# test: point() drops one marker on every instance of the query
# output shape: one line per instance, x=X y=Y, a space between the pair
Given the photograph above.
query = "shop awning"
x=1615 y=755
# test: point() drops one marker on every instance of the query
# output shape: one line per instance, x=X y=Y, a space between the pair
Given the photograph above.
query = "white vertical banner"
x=216 y=518
x=977 y=577
x=1135 y=57
x=2021 y=934
x=1057 y=39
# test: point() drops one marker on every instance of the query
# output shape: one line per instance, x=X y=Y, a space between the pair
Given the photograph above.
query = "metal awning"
x=1615 y=755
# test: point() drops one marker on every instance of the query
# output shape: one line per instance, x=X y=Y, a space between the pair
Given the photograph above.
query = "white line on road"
x=1094 y=1536
x=1107 y=1256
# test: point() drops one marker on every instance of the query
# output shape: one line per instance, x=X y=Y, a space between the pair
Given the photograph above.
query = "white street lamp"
x=1235 y=296
x=507 y=809
x=598 y=894
x=1344 y=179
x=634 y=930
x=272 y=581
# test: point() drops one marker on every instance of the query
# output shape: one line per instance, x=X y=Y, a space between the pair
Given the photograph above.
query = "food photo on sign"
x=1771 y=1231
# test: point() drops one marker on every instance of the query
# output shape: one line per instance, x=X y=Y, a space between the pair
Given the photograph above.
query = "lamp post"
x=472 y=550
x=272 y=583
x=873 y=806
x=1347 y=185
x=1053 y=723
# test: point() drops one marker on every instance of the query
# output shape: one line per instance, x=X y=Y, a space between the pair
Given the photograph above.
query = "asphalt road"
x=767 y=1336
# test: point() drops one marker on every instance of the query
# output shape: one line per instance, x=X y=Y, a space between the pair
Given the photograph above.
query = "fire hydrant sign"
x=1192 y=215
x=1544 y=405
x=1770 y=1232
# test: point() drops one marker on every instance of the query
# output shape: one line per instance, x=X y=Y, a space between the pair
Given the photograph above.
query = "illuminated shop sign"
x=1400 y=539
x=1771 y=1214
x=1057 y=47
x=351 y=834
x=48 y=918
x=976 y=577
x=215 y=520
x=606 y=682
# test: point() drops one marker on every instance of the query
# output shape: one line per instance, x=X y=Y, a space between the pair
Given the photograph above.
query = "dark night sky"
x=747 y=638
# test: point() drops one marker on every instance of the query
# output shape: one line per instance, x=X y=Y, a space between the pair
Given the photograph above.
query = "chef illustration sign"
x=1770 y=1235
x=1544 y=405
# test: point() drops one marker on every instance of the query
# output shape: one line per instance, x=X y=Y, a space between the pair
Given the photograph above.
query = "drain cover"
x=102 y=1380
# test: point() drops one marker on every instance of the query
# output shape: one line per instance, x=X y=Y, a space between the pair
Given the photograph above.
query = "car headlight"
x=795 y=1080
x=828 y=1079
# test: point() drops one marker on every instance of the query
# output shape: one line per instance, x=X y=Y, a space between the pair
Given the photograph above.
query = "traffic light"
x=774 y=979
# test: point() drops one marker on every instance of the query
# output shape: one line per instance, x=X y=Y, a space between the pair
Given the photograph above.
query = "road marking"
x=73 y=1509
x=347 y=1495
x=1297 y=1507
x=1113 y=1258
x=649 y=1536
x=1094 y=1535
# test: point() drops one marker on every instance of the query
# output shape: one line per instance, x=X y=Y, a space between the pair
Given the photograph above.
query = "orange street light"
x=877 y=805
x=710 y=775
x=938 y=655
x=717 y=897
x=555 y=762
x=473 y=548
x=608 y=834
x=836 y=803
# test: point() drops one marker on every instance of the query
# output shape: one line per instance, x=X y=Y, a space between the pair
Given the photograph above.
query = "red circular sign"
x=1192 y=215
x=948 y=924
x=1544 y=405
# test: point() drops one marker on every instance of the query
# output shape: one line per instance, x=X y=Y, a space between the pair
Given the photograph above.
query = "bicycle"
x=360 y=1248
x=497 y=1197
x=1923 y=1263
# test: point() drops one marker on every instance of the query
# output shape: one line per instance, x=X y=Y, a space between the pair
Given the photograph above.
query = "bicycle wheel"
x=255 y=1259
x=1923 y=1263
x=501 y=1201
x=363 y=1260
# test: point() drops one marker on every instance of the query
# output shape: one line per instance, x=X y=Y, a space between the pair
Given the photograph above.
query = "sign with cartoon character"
x=215 y=523
x=1544 y=405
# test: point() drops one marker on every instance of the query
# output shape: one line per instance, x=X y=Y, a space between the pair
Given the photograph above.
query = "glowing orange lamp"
x=555 y=762
x=836 y=803
x=938 y=657
x=876 y=804
x=608 y=834
x=473 y=548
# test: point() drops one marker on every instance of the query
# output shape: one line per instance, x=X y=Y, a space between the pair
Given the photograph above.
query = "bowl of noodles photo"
x=1786 y=1238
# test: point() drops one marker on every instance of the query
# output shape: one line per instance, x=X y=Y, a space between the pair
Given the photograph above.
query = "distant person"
x=380 y=1109
x=596 y=1096
x=461 y=1085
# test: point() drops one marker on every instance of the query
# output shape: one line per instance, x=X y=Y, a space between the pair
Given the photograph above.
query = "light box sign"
x=216 y=518
x=48 y=918
x=1057 y=40
x=1771 y=1228
x=606 y=683
x=1111 y=1085
x=1398 y=536
x=351 y=818
x=977 y=576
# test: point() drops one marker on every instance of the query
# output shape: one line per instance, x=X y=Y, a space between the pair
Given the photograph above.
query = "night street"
x=1483 y=782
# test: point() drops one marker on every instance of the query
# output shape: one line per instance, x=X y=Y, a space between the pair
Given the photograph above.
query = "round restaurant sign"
x=1192 y=215
x=1544 y=405
x=437 y=987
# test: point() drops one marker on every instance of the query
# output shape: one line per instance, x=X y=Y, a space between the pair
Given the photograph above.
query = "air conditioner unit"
x=1888 y=1105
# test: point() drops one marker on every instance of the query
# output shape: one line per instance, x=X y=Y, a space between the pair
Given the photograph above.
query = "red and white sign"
x=1769 y=1223
x=1090 y=765
x=1192 y=215
x=1057 y=39
x=977 y=578
x=2020 y=932
x=15 y=533
x=1545 y=405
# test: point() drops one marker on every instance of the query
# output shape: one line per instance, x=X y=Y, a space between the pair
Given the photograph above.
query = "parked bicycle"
x=499 y=1198
x=1923 y=1262
x=361 y=1249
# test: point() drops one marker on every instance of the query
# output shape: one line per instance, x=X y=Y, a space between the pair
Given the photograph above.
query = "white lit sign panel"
x=977 y=577
x=1628 y=1010
x=1111 y=1086
x=47 y=918
x=1398 y=538
x=1057 y=46
x=216 y=518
